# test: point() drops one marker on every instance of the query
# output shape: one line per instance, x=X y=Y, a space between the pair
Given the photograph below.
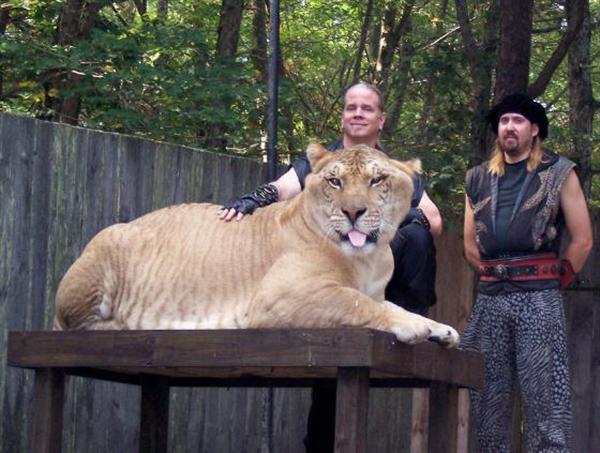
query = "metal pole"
x=272 y=87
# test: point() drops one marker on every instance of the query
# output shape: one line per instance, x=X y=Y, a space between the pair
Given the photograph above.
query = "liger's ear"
x=411 y=167
x=315 y=153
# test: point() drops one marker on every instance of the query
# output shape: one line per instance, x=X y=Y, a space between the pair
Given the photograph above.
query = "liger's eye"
x=377 y=180
x=335 y=183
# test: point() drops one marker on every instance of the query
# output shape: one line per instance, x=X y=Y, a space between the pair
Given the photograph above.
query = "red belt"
x=544 y=266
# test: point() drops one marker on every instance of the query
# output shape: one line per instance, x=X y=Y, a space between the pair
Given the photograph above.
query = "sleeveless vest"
x=536 y=221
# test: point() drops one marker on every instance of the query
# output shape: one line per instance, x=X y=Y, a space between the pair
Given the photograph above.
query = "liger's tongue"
x=357 y=238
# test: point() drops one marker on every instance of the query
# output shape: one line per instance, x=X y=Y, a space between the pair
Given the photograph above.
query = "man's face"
x=362 y=118
x=516 y=134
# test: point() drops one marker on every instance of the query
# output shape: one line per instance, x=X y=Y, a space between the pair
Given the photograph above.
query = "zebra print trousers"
x=523 y=339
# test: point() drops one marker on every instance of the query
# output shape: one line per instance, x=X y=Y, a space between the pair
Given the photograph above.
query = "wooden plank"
x=420 y=421
x=41 y=313
x=193 y=175
x=48 y=398
x=130 y=194
x=462 y=435
x=433 y=361
x=21 y=135
x=145 y=182
x=182 y=168
x=455 y=281
x=15 y=287
x=209 y=178
x=352 y=399
x=389 y=406
x=154 y=419
x=225 y=187
x=594 y=441
x=5 y=268
x=245 y=376
x=290 y=413
x=244 y=348
x=93 y=189
x=165 y=175
x=443 y=418
x=111 y=170
x=594 y=416
x=193 y=348
x=580 y=316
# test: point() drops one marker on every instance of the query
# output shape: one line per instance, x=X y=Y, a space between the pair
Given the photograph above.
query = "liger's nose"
x=354 y=214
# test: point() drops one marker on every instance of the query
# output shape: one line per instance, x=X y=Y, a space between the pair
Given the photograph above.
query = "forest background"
x=194 y=73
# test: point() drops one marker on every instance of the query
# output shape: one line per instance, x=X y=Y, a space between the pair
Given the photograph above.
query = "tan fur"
x=284 y=266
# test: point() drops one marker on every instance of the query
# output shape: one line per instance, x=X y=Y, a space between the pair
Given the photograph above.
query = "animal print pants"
x=522 y=336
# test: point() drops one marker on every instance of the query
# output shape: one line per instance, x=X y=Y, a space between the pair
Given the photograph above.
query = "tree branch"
x=118 y=15
x=4 y=19
x=362 y=41
x=545 y=75
x=466 y=30
x=140 y=5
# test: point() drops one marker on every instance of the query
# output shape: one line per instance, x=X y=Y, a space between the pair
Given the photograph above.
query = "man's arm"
x=432 y=213
x=577 y=218
x=288 y=186
x=470 y=241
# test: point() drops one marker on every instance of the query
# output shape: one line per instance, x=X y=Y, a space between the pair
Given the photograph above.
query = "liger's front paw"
x=444 y=335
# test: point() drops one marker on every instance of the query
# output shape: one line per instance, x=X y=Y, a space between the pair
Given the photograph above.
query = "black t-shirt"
x=509 y=186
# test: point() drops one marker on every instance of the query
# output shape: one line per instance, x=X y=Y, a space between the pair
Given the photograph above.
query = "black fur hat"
x=523 y=105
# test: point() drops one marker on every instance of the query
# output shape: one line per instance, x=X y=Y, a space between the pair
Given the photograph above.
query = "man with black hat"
x=516 y=206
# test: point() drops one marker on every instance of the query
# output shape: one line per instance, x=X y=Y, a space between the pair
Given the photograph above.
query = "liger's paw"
x=411 y=328
x=444 y=335
x=412 y=333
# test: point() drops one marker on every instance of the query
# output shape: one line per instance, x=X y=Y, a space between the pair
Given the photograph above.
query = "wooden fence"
x=59 y=185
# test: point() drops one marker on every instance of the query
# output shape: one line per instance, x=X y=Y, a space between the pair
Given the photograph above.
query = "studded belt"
x=544 y=266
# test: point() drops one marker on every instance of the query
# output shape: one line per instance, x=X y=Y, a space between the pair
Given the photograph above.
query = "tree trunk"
x=74 y=24
x=258 y=53
x=392 y=33
x=230 y=20
x=512 y=70
x=141 y=6
x=430 y=99
x=581 y=111
x=366 y=25
x=481 y=58
x=163 y=8
x=400 y=81
x=229 y=28
x=4 y=19
x=373 y=40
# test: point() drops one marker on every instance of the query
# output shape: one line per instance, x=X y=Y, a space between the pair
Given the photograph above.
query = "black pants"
x=412 y=286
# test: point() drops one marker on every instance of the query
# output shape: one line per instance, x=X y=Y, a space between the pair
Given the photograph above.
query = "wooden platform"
x=157 y=360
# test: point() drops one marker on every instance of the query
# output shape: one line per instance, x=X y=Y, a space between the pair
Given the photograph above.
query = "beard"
x=511 y=145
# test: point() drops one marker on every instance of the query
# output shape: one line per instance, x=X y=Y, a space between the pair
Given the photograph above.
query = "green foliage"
x=158 y=77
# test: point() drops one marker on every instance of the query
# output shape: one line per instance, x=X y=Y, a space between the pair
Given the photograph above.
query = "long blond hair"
x=496 y=166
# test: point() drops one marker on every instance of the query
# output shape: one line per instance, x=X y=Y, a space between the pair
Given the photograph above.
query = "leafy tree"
x=195 y=72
